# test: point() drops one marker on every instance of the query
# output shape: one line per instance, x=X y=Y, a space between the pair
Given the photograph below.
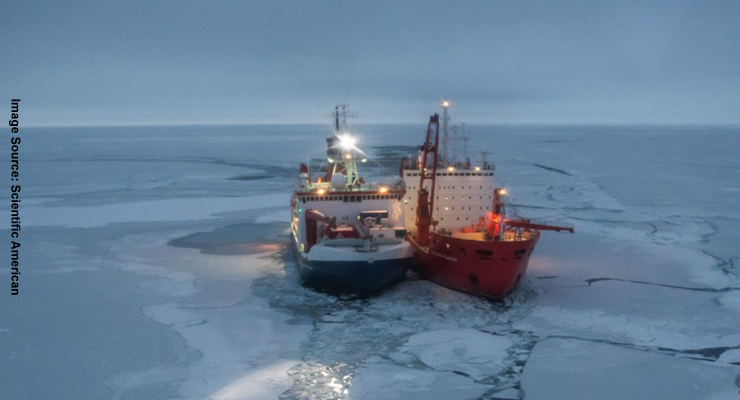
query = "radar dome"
x=338 y=181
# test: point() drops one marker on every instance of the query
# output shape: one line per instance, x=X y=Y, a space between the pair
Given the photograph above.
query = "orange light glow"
x=321 y=192
x=450 y=169
x=383 y=190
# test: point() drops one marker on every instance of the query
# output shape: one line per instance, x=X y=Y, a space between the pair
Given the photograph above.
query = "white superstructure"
x=464 y=192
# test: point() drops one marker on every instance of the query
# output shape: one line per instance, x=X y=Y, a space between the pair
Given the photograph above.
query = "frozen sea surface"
x=155 y=265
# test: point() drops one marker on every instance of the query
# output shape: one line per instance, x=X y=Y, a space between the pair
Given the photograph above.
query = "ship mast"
x=445 y=135
x=342 y=153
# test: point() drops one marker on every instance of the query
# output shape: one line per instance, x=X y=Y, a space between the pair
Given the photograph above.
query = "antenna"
x=454 y=144
x=341 y=113
x=464 y=137
x=336 y=118
x=445 y=136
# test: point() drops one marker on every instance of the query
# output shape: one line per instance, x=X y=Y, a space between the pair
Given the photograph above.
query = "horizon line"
x=520 y=124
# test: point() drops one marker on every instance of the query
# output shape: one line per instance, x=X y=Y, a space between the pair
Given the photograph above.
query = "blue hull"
x=356 y=277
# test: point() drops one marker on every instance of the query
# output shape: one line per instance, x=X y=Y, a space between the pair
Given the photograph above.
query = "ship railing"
x=327 y=186
x=458 y=168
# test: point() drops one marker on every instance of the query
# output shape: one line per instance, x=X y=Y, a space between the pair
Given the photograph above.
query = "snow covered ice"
x=155 y=265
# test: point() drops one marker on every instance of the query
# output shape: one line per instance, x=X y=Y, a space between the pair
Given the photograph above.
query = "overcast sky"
x=198 y=62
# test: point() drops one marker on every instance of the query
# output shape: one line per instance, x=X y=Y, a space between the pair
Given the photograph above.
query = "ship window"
x=467 y=174
x=345 y=199
x=481 y=187
x=520 y=252
x=484 y=254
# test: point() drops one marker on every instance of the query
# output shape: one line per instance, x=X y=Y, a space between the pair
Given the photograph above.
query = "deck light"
x=347 y=142
x=321 y=192
x=383 y=190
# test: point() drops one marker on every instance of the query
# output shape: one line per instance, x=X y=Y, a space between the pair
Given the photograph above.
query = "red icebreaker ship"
x=471 y=246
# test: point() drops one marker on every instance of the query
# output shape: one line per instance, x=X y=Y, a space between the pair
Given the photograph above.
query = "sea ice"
x=575 y=369
x=474 y=353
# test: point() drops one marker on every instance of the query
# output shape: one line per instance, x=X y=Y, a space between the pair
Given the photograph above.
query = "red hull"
x=485 y=268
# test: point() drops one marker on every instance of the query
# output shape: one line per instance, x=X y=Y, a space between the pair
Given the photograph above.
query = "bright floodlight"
x=347 y=142
x=445 y=103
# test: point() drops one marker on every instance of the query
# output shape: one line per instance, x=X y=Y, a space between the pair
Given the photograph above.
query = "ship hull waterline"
x=362 y=278
x=490 y=269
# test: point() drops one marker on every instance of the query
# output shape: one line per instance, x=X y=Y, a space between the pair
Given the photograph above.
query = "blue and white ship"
x=349 y=235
